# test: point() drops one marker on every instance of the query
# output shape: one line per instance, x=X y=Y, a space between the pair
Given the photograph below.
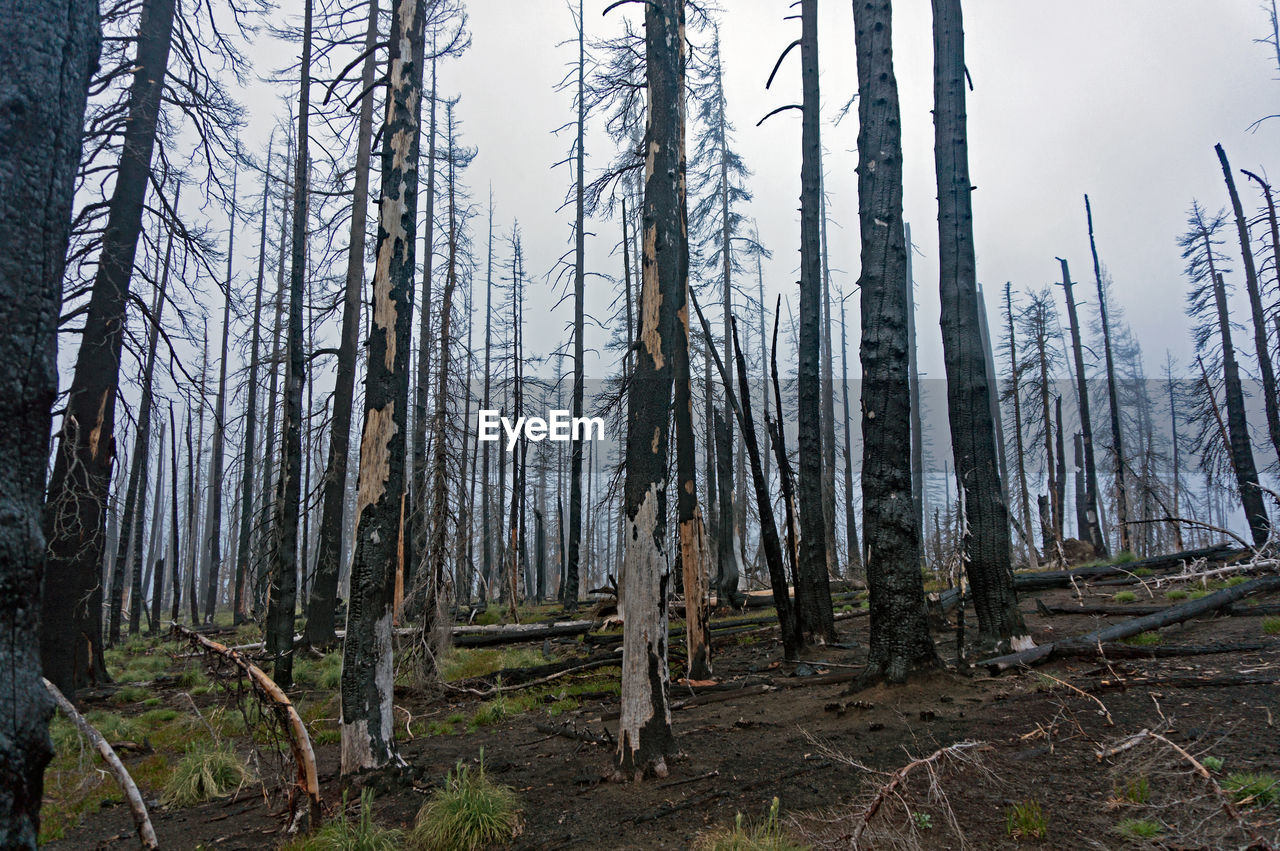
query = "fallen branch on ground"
x=137 y=808
x=1133 y=626
x=269 y=692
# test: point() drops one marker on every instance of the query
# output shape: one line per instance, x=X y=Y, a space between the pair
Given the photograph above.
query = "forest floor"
x=1035 y=778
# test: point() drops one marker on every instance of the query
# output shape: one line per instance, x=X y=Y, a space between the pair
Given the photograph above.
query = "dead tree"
x=218 y=456
x=850 y=516
x=644 y=727
x=813 y=592
x=77 y=494
x=900 y=641
x=49 y=56
x=1117 y=442
x=1207 y=303
x=282 y=598
x=1015 y=393
x=569 y=594
x=1090 y=496
x=368 y=740
x=973 y=435
x=1270 y=396
x=321 y=607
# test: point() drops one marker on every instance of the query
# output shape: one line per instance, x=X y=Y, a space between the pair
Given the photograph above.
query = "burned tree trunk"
x=1270 y=397
x=1090 y=498
x=644 y=727
x=813 y=592
x=900 y=641
x=50 y=52
x=321 y=607
x=1117 y=443
x=486 y=525
x=282 y=597
x=174 y=552
x=1015 y=373
x=973 y=435
x=71 y=645
x=368 y=740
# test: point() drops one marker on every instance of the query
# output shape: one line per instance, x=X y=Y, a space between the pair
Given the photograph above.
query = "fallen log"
x=570 y=731
x=137 y=808
x=518 y=633
x=1132 y=611
x=1166 y=651
x=1133 y=626
x=1062 y=578
x=269 y=692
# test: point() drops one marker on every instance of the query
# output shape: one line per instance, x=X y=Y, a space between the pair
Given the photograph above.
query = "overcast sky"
x=1123 y=100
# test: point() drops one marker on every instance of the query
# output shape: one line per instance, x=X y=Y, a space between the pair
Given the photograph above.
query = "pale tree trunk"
x=1015 y=373
x=174 y=552
x=900 y=641
x=321 y=614
x=282 y=596
x=71 y=645
x=266 y=533
x=155 y=551
x=249 y=449
x=416 y=486
x=570 y=591
x=135 y=495
x=216 y=464
x=368 y=738
x=486 y=524
x=49 y=55
x=1117 y=444
x=813 y=591
x=828 y=397
x=1086 y=423
x=644 y=728
x=850 y=515
x=913 y=381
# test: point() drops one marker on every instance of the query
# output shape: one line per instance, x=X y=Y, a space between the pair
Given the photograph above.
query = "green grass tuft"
x=1125 y=597
x=1026 y=820
x=1255 y=788
x=342 y=833
x=460 y=662
x=1271 y=626
x=1138 y=829
x=1144 y=639
x=1213 y=763
x=469 y=813
x=768 y=835
x=1135 y=790
x=1175 y=594
x=1124 y=557
x=206 y=771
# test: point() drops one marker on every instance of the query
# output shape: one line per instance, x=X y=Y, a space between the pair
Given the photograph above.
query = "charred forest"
x=460 y=424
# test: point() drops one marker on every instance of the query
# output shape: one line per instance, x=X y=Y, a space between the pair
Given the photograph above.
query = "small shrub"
x=1248 y=787
x=1271 y=626
x=1125 y=597
x=1124 y=557
x=341 y=833
x=1236 y=580
x=490 y=712
x=207 y=770
x=471 y=812
x=1025 y=820
x=1144 y=639
x=1213 y=763
x=1135 y=790
x=766 y=836
x=1138 y=829
x=1175 y=594
x=923 y=821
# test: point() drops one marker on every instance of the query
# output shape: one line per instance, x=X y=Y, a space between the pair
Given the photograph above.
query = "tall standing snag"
x=644 y=726
x=368 y=739
x=77 y=494
x=49 y=53
x=900 y=639
x=973 y=434
x=1090 y=495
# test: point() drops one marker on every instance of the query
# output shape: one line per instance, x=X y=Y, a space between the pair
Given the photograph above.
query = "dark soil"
x=797 y=741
